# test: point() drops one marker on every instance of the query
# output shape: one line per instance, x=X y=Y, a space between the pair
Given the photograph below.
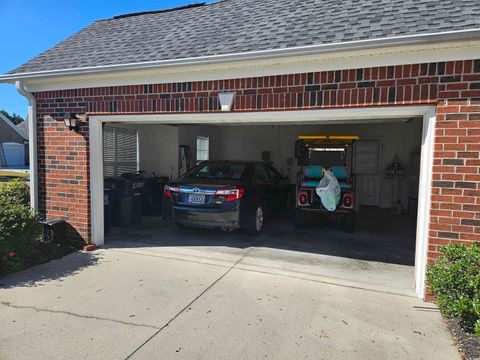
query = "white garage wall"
x=248 y=142
x=187 y=135
x=158 y=148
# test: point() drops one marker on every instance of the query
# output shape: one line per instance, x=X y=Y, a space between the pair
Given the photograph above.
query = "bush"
x=15 y=192
x=455 y=281
x=20 y=227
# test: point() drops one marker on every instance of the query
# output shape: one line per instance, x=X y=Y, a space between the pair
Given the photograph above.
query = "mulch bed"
x=468 y=343
x=47 y=252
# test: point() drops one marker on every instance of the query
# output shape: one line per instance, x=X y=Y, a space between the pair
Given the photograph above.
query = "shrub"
x=455 y=281
x=20 y=227
x=15 y=192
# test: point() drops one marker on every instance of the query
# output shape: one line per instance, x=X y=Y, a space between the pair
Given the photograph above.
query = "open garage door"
x=386 y=240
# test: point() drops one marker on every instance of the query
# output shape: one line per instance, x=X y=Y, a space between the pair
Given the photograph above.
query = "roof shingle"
x=238 y=26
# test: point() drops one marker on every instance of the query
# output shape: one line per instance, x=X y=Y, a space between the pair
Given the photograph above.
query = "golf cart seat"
x=342 y=173
x=312 y=174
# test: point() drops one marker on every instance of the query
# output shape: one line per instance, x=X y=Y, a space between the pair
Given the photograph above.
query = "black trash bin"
x=153 y=195
x=54 y=230
x=127 y=208
x=108 y=201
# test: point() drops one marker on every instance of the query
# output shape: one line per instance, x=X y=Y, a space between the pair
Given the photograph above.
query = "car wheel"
x=256 y=223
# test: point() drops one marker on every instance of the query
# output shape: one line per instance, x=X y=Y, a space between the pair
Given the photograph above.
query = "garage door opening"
x=386 y=236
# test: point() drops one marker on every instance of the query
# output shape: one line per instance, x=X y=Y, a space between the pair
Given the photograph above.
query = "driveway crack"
x=190 y=303
x=8 y=304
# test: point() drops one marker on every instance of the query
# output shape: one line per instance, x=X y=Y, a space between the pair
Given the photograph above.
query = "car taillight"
x=167 y=190
x=303 y=198
x=348 y=199
x=231 y=194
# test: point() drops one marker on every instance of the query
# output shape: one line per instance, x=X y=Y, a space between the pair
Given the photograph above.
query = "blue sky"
x=29 y=27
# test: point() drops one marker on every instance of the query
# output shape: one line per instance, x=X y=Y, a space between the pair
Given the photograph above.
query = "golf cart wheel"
x=349 y=222
x=255 y=226
x=301 y=219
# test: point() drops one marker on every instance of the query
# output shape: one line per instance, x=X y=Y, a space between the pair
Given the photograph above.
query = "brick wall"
x=453 y=86
x=63 y=173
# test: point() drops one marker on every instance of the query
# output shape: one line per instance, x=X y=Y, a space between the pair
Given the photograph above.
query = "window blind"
x=202 y=148
x=120 y=151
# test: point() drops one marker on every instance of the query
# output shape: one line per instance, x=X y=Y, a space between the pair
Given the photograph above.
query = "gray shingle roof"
x=236 y=26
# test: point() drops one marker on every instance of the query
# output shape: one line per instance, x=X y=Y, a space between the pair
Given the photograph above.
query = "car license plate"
x=196 y=198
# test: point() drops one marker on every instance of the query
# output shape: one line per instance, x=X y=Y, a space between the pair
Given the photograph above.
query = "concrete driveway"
x=146 y=301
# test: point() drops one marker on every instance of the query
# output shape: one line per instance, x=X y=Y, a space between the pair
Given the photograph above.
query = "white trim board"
x=335 y=60
x=284 y=117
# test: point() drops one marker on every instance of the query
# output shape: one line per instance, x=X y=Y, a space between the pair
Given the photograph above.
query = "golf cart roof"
x=328 y=139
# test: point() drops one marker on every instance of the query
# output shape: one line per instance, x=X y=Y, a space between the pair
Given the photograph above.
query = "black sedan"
x=227 y=195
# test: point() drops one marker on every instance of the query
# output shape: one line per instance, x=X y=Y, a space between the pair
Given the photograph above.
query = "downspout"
x=32 y=139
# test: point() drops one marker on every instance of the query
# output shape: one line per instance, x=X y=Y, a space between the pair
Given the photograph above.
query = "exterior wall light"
x=226 y=100
x=71 y=121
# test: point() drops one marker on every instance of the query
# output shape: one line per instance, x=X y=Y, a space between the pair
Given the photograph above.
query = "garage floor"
x=379 y=255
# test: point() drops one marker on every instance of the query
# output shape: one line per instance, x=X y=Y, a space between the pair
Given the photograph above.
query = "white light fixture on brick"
x=226 y=100
x=71 y=121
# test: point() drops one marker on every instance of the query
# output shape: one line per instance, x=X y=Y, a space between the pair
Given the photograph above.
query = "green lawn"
x=13 y=174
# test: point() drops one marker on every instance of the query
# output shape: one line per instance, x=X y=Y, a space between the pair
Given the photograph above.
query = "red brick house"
x=287 y=62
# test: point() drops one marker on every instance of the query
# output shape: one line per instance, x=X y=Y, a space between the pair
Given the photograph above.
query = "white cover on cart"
x=328 y=190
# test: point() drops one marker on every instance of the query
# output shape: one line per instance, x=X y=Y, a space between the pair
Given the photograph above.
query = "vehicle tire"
x=349 y=223
x=256 y=223
x=301 y=219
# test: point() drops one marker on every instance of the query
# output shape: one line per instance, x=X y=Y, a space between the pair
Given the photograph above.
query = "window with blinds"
x=202 y=148
x=120 y=151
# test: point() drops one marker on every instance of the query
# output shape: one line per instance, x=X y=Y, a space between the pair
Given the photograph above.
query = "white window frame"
x=205 y=140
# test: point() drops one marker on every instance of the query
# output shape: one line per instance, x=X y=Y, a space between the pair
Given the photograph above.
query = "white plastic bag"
x=329 y=191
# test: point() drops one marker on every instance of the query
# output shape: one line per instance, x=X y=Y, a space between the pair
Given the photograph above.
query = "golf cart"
x=319 y=156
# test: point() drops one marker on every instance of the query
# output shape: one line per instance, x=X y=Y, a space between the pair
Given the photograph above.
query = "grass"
x=13 y=174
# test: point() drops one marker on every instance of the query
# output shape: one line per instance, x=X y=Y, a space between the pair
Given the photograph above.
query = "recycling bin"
x=153 y=195
x=108 y=201
x=127 y=207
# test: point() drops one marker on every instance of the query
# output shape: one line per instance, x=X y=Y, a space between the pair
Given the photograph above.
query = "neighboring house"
x=404 y=74
x=13 y=143
x=23 y=127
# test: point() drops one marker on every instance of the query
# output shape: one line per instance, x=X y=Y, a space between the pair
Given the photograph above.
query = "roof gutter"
x=257 y=55
x=32 y=143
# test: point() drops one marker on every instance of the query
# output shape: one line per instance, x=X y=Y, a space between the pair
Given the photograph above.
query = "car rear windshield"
x=218 y=170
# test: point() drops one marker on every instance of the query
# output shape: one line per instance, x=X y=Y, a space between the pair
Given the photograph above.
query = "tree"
x=16 y=119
